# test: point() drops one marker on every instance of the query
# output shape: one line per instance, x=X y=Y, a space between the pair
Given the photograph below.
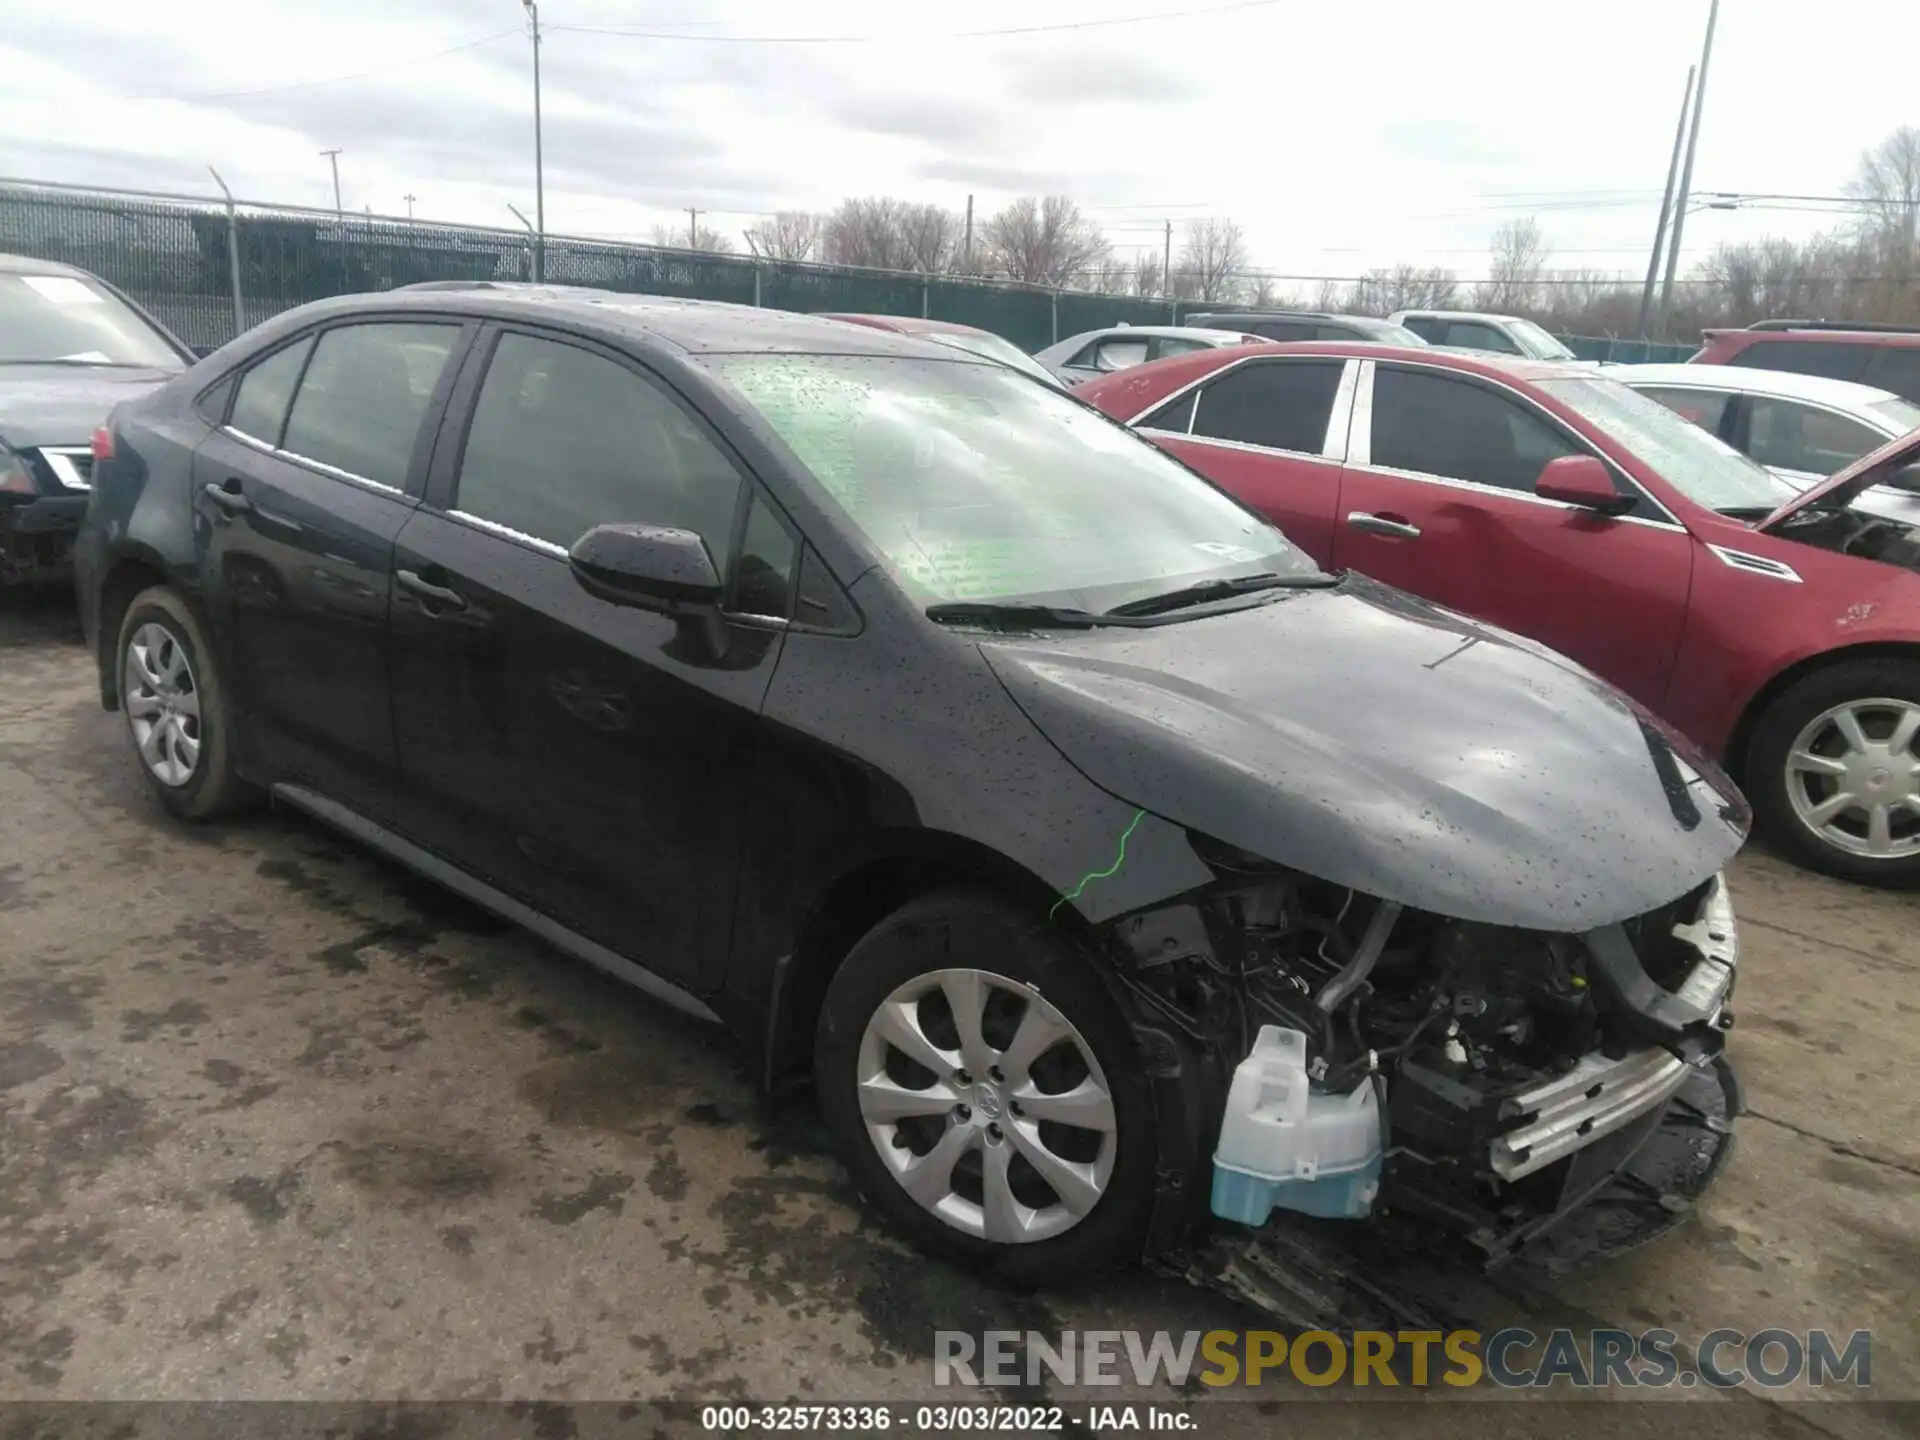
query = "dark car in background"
x=949 y=741
x=71 y=348
x=1884 y=356
x=1306 y=325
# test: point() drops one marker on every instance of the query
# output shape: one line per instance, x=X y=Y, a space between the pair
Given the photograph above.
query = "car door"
x=1437 y=498
x=1271 y=432
x=1797 y=441
x=584 y=756
x=299 y=493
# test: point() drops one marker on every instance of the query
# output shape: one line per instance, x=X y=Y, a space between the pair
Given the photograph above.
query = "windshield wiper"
x=1222 y=590
x=1013 y=612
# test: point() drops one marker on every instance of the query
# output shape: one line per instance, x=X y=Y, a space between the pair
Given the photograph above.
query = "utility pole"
x=1686 y=173
x=966 y=248
x=333 y=158
x=1166 y=272
x=409 y=198
x=1666 y=202
x=693 y=228
x=539 y=160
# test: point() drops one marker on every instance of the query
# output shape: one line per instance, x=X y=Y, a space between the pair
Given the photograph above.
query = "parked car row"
x=961 y=748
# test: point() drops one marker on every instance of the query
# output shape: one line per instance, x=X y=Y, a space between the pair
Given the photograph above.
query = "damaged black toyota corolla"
x=1108 y=867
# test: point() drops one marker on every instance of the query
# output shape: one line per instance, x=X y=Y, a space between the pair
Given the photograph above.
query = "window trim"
x=1360 y=446
x=442 y=490
x=1334 y=448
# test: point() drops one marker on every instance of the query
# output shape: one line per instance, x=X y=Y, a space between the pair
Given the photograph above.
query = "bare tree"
x=1330 y=295
x=1111 y=275
x=1405 y=287
x=1044 y=241
x=789 y=235
x=711 y=242
x=1516 y=266
x=930 y=237
x=1213 y=254
x=1887 y=184
x=1145 y=280
x=866 y=232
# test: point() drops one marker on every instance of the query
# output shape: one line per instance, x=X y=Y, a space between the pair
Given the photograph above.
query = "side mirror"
x=655 y=567
x=1582 y=480
x=1905 y=479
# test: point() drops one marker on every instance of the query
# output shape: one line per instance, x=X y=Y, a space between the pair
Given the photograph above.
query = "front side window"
x=1541 y=344
x=1425 y=326
x=260 y=404
x=1281 y=405
x=1703 y=467
x=974 y=485
x=1789 y=436
x=364 y=396
x=74 y=320
x=1472 y=335
x=1439 y=425
x=1172 y=345
x=1896 y=368
x=763 y=570
x=1704 y=408
x=564 y=439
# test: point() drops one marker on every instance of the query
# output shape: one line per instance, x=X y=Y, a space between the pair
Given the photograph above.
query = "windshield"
x=1904 y=414
x=67 y=318
x=1540 y=344
x=977 y=485
x=1704 y=468
x=992 y=347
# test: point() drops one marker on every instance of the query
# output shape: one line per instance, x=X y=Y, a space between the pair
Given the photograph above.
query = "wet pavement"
x=278 y=1121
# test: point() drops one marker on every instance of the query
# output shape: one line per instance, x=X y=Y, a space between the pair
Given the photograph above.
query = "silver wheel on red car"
x=986 y=1105
x=1854 y=777
x=162 y=701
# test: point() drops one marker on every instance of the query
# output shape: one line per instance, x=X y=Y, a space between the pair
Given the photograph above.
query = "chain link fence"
x=174 y=254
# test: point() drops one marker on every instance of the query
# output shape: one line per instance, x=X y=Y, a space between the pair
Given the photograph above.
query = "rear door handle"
x=434 y=595
x=231 y=499
x=1382 y=525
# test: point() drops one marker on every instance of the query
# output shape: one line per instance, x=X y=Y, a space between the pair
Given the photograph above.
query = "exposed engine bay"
x=1855 y=530
x=1516 y=1073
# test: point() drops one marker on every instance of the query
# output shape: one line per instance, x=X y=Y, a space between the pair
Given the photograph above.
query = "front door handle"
x=435 y=596
x=229 y=497
x=1388 y=525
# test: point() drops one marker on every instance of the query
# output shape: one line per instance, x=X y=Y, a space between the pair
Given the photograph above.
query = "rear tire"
x=174 y=698
x=1018 y=1186
x=1833 y=771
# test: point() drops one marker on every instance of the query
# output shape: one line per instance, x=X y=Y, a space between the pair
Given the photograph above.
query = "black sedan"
x=944 y=740
x=71 y=348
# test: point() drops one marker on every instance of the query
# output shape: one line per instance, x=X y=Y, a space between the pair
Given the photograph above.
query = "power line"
x=327 y=80
x=1010 y=30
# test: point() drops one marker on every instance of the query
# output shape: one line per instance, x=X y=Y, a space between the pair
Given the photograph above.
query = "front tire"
x=1834 y=771
x=175 y=702
x=985 y=1093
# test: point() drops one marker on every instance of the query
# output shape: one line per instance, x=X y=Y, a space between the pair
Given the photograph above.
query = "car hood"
x=64 y=404
x=1844 y=486
x=1376 y=741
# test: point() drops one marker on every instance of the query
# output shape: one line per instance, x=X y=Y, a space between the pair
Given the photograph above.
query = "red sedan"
x=1780 y=631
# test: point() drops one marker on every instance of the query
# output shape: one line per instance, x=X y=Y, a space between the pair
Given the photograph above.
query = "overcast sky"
x=1340 y=135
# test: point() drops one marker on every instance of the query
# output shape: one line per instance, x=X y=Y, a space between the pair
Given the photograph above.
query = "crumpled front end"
x=1519 y=1078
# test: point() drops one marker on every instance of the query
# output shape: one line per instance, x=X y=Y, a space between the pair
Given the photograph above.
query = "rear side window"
x=1119 y=354
x=1835 y=360
x=1284 y=330
x=1170 y=345
x=1787 y=436
x=563 y=440
x=365 y=395
x=1437 y=425
x=1704 y=408
x=260 y=404
x=1896 y=368
x=1282 y=405
x=1425 y=326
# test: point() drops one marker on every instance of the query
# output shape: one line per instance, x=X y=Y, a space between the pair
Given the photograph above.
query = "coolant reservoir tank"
x=1284 y=1145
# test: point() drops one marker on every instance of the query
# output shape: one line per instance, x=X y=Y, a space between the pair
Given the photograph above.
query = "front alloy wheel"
x=986 y=1105
x=162 y=701
x=1853 y=778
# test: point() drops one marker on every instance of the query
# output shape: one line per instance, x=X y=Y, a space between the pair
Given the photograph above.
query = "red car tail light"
x=102 y=445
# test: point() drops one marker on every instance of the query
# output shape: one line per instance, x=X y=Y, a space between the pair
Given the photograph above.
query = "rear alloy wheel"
x=985 y=1093
x=1841 y=779
x=162 y=701
x=172 y=696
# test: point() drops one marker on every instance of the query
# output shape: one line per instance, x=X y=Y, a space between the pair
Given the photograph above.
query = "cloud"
x=1444 y=142
x=1098 y=75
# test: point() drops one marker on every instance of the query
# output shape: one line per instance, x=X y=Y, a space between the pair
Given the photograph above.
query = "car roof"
x=1159 y=332
x=711 y=327
x=1454 y=315
x=28 y=265
x=1751 y=380
x=904 y=324
x=1477 y=362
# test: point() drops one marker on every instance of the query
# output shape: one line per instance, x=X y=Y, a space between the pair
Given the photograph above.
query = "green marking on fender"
x=1074 y=894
